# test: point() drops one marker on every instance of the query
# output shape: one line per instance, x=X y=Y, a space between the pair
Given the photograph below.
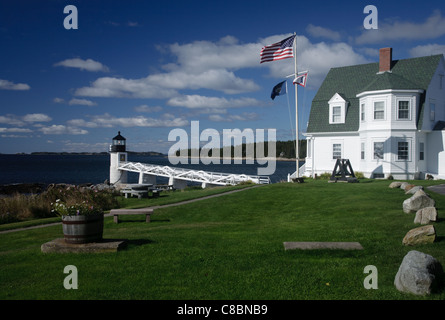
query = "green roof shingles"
x=415 y=73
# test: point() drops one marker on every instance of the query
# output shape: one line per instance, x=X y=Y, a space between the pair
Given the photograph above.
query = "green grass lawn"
x=231 y=247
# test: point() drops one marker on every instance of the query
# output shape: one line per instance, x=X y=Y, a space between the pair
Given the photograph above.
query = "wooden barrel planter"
x=83 y=229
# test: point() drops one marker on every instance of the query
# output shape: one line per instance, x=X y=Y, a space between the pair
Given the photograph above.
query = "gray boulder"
x=425 y=215
x=418 y=201
x=419 y=274
x=420 y=193
x=403 y=185
x=395 y=184
x=413 y=190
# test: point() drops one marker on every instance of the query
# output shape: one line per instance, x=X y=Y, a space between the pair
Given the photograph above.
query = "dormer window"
x=336 y=114
x=337 y=109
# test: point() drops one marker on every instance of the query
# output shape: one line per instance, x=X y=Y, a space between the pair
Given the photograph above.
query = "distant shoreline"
x=43 y=153
x=149 y=153
x=244 y=158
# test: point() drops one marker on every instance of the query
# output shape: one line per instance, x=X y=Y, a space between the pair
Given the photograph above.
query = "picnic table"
x=144 y=190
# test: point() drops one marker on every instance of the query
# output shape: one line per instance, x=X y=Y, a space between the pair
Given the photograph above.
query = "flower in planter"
x=84 y=209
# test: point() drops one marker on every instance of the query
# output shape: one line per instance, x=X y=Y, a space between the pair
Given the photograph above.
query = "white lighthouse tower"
x=118 y=155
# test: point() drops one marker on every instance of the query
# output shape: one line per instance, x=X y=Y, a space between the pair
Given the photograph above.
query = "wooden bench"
x=117 y=212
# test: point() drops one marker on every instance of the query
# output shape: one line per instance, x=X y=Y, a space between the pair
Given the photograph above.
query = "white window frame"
x=334 y=102
x=408 y=150
x=384 y=111
x=421 y=151
x=362 y=151
x=374 y=153
x=363 y=112
x=334 y=151
x=398 y=110
x=336 y=114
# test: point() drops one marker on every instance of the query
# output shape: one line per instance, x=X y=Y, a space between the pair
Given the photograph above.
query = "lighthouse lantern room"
x=118 y=155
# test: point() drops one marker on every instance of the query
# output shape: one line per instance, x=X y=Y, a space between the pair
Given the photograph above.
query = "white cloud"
x=146 y=109
x=62 y=129
x=197 y=101
x=433 y=27
x=246 y=116
x=198 y=65
x=108 y=87
x=215 y=79
x=84 y=123
x=21 y=130
x=88 y=64
x=227 y=53
x=12 y=136
x=427 y=50
x=12 y=120
x=8 y=85
x=15 y=120
x=58 y=100
x=36 y=117
x=108 y=121
x=320 y=32
x=82 y=102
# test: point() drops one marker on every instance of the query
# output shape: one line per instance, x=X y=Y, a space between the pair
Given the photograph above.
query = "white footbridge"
x=178 y=177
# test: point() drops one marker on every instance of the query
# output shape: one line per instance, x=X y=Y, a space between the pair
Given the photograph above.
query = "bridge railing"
x=218 y=178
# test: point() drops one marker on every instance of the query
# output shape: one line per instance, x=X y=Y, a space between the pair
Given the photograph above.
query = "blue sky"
x=147 y=67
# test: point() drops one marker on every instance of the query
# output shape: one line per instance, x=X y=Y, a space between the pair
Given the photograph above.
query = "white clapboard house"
x=387 y=118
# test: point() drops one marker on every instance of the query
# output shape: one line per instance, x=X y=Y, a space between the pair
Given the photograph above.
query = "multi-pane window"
x=336 y=151
x=362 y=151
x=402 y=150
x=336 y=114
x=403 y=111
x=378 y=150
x=379 y=110
x=421 y=151
x=362 y=112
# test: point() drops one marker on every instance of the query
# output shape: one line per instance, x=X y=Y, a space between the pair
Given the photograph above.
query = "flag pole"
x=296 y=111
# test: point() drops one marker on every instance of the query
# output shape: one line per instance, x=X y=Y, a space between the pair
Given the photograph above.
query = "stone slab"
x=106 y=245
x=322 y=245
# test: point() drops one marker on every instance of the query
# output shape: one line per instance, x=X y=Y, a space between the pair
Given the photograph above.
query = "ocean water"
x=80 y=169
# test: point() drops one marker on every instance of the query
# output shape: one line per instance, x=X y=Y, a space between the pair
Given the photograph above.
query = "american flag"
x=278 y=51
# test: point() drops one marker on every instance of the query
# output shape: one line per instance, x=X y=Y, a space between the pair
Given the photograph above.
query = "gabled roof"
x=406 y=74
x=389 y=80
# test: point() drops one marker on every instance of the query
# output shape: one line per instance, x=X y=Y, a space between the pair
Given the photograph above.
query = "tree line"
x=284 y=149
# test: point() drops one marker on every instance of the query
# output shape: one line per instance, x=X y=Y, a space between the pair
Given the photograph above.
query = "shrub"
x=325 y=176
x=359 y=175
x=21 y=207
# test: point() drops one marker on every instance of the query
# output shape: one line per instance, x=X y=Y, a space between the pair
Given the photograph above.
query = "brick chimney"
x=385 y=59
